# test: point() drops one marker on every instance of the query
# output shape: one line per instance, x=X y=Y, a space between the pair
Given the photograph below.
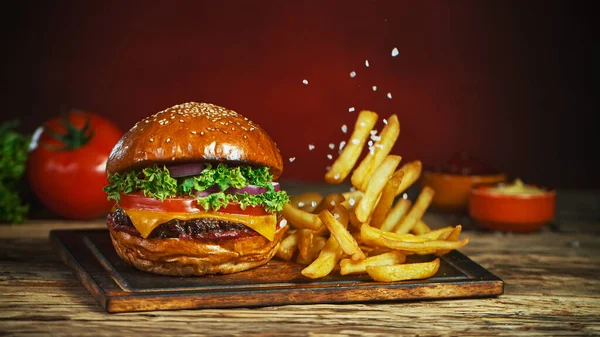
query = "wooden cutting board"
x=119 y=287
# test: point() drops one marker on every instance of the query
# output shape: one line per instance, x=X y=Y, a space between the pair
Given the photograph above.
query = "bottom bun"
x=183 y=257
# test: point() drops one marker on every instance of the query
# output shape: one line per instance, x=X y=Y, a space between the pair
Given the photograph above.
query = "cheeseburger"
x=195 y=192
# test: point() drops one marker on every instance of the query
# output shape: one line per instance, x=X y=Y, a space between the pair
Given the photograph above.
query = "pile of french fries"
x=370 y=229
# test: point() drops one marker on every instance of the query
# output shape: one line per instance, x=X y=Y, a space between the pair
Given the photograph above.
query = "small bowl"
x=511 y=212
x=452 y=190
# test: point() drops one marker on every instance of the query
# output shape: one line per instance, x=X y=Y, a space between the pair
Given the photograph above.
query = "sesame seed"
x=313 y=203
x=329 y=157
x=193 y=132
x=353 y=74
x=395 y=52
x=233 y=128
x=201 y=133
x=352 y=201
x=374 y=88
x=245 y=136
x=351 y=109
x=151 y=139
x=355 y=141
x=370 y=143
x=310 y=147
x=389 y=95
x=367 y=63
x=300 y=204
x=344 y=128
x=292 y=159
x=336 y=176
x=404 y=196
x=168 y=140
x=283 y=223
x=385 y=121
x=305 y=82
x=181 y=120
x=331 y=146
x=342 y=144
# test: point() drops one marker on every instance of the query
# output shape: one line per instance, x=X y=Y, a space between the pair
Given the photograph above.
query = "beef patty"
x=195 y=229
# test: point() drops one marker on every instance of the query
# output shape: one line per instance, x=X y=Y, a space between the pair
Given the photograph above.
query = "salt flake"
x=395 y=52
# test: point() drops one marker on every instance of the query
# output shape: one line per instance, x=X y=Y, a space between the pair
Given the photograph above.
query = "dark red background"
x=510 y=82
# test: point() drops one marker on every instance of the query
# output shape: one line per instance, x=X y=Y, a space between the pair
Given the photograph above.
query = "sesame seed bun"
x=195 y=132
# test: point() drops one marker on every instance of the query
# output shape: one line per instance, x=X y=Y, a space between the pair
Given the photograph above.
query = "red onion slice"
x=185 y=170
x=250 y=189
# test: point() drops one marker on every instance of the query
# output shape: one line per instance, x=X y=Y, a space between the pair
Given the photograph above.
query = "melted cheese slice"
x=146 y=221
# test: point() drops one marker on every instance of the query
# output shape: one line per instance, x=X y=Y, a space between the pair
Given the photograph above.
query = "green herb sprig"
x=13 y=160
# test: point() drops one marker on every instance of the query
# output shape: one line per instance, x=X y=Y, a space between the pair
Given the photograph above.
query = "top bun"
x=192 y=132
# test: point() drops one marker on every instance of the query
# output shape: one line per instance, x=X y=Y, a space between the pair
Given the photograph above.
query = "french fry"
x=372 y=236
x=344 y=238
x=408 y=242
x=412 y=172
x=288 y=245
x=376 y=183
x=402 y=272
x=326 y=261
x=340 y=213
x=386 y=200
x=381 y=250
x=313 y=251
x=305 y=240
x=416 y=212
x=395 y=214
x=377 y=154
x=306 y=201
x=347 y=159
x=438 y=234
x=353 y=194
x=328 y=202
x=353 y=220
x=454 y=236
x=420 y=228
x=300 y=218
x=349 y=266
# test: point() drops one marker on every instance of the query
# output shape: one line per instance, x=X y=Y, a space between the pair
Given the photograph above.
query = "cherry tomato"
x=67 y=167
x=181 y=205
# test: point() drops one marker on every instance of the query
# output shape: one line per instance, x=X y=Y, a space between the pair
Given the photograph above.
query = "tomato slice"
x=181 y=205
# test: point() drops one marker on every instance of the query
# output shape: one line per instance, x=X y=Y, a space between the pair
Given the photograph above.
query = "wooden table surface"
x=551 y=277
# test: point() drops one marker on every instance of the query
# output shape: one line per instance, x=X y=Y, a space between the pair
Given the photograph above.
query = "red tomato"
x=181 y=205
x=68 y=175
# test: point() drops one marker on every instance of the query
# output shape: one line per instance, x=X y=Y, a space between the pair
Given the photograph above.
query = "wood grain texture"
x=551 y=288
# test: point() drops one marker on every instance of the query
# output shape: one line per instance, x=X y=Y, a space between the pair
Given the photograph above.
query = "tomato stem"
x=73 y=137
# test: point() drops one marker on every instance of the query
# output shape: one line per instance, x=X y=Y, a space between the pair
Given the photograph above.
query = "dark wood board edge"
x=346 y=294
x=86 y=279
